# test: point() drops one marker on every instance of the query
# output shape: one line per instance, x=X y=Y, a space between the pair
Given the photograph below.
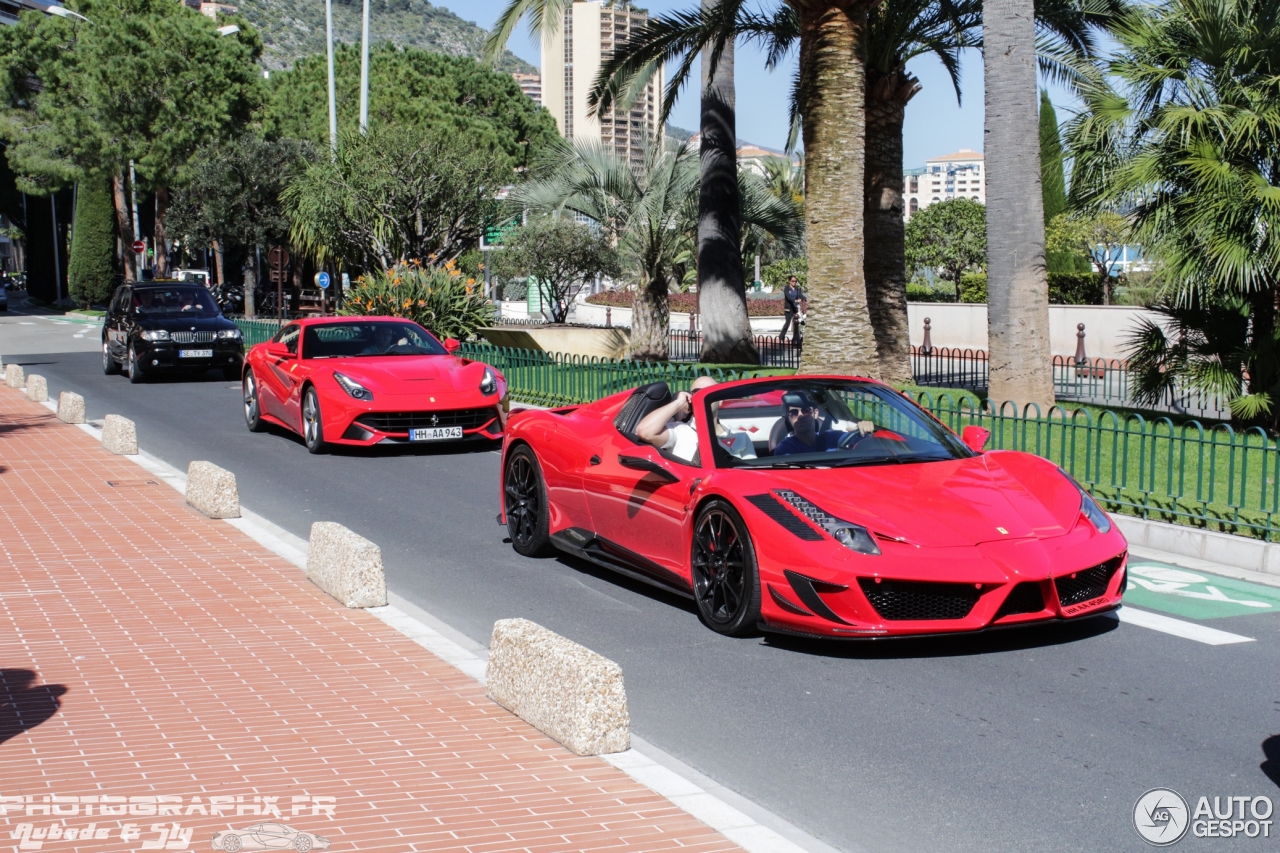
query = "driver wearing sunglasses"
x=805 y=416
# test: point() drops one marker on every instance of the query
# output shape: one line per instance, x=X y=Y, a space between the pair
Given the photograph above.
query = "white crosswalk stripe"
x=1179 y=628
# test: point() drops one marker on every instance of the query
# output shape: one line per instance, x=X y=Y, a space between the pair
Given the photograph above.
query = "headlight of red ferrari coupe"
x=1089 y=507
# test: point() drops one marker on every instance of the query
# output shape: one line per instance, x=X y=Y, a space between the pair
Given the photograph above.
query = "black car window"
x=289 y=337
x=177 y=301
x=372 y=338
x=122 y=300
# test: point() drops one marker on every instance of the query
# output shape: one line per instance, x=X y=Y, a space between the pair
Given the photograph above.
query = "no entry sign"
x=139 y=247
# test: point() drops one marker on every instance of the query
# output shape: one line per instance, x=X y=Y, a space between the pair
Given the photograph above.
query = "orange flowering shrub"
x=438 y=298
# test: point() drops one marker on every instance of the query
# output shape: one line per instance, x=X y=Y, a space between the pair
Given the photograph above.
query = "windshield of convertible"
x=824 y=424
x=181 y=301
x=375 y=337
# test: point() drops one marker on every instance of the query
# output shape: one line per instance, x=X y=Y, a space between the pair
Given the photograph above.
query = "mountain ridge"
x=292 y=29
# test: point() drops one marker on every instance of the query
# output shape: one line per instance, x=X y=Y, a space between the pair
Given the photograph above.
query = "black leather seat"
x=643 y=400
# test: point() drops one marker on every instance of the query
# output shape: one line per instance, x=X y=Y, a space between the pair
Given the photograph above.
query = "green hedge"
x=1065 y=288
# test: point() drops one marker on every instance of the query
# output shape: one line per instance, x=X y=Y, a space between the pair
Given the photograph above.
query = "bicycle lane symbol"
x=1195 y=594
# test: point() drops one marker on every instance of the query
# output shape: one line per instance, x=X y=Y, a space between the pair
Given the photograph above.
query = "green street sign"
x=1194 y=594
x=495 y=234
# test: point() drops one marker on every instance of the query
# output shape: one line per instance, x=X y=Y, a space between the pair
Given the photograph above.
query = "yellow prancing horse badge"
x=1003 y=531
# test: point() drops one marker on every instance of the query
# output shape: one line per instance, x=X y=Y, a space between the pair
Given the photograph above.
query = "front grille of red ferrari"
x=1024 y=598
x=1087 y=584
x=405 y=421
x=907 y=600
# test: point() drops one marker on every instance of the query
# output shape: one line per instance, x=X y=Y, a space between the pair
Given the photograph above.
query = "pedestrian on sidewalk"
x=793 y=302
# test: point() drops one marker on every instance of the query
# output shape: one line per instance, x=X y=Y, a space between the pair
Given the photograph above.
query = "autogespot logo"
x=1160 y=816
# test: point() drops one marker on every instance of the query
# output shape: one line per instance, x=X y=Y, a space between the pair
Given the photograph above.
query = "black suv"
x=154 y=326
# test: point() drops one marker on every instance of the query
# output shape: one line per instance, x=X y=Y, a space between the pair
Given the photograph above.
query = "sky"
x=935 y=123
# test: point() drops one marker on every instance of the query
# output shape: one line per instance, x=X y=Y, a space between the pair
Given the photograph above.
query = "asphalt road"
x=1038 y=739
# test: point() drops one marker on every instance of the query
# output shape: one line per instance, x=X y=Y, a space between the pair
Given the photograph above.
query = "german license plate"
x=195 y=353
x=435 y=434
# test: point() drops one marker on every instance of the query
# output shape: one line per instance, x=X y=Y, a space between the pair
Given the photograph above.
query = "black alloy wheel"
x=252 y=407
x=312 y=426
x=110 y=366
x=726 y=585
x=525 y=495
x=133 y=367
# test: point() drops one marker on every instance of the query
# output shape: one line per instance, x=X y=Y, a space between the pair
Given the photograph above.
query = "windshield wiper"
x=884 y=460
x=792 y=465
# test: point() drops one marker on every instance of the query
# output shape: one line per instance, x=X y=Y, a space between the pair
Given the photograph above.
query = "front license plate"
x=435 y=434
x=195 y=353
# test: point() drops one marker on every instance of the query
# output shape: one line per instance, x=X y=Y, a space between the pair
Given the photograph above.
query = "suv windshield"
x=180 y=301
x=824 y=424
x=378 y=337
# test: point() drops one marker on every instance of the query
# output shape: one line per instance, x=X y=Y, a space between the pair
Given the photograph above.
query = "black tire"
x=232 y=843
x=231 y=374
x=252 y=403
x=133 y=368
x=110 y=366
x=726 y=582
x=525 y=500
x=312 y=423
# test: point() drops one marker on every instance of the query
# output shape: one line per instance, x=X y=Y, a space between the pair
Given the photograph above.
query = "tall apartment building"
x=571 y=60
x=530 y=84
x=958 y=175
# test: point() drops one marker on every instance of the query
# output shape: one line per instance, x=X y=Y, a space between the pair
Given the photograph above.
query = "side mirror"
x=452 y=344
x=975 y=437
x=278 y=350
x=642 y=461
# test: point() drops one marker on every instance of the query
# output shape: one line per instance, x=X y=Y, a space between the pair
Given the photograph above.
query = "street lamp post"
x=364 y=70
x=333 y=97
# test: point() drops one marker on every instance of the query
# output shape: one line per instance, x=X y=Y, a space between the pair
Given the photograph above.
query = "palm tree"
x=1183 y=131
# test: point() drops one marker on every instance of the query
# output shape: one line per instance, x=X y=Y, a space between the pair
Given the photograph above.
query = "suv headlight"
x=230 y=335
x=156 y=335
x=489 y=385
x=353 y=388
x=1089 y=508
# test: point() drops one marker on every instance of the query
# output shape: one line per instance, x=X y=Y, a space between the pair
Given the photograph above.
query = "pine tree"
x=1053 y=180
x=91 y=271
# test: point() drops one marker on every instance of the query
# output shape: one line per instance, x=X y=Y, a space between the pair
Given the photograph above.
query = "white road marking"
x=26 y=324
x=1179 y=628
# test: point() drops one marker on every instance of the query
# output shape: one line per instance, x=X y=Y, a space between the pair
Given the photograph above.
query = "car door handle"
x=595 y=460
x=639 y=463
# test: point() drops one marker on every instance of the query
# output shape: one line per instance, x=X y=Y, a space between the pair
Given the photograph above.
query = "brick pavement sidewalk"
x=148 y=652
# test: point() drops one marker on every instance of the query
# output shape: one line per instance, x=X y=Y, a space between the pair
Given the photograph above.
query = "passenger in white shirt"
x=671 y=428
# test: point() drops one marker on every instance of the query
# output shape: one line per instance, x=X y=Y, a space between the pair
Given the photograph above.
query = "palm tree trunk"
x=722 y=295
x=886 y=260
x=1017 y=290
x=650 y=321
x=162 y=239
x=833 y=106
x=124 y=226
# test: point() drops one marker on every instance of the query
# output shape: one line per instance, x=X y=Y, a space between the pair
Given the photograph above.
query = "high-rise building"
x=958 y=175
x=571 y=58
x=530 y=84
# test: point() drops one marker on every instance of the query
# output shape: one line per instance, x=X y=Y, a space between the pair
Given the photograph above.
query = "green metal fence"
x=257 y=331
x=1188 y=473
x=558 y=379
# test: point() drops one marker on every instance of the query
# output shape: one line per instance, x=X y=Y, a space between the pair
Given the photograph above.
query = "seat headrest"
x=643 y=400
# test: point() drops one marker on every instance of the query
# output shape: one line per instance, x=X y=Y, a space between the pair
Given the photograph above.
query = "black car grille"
x=1025 y=598
x=904 y=600
x=1086 y=584
x=773 y=508
x=193 y=337
x=405 y=421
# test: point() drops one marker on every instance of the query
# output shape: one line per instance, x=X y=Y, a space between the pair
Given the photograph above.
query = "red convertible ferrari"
x=819 y=506
x=370 y=380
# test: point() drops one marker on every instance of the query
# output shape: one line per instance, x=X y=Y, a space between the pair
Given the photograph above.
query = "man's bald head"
x=700 y=383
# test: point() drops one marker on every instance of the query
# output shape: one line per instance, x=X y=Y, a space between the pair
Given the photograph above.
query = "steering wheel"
x=848 y=439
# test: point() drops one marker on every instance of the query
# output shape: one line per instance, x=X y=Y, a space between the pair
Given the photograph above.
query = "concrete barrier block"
x=120 y=436
x=37 y=388
x=13 y=377
x=70 y=408
x=564 y=690
x=212 y=490
x=346 y=565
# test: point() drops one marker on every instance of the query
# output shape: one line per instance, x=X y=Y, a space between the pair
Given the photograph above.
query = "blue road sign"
x=322 y=279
